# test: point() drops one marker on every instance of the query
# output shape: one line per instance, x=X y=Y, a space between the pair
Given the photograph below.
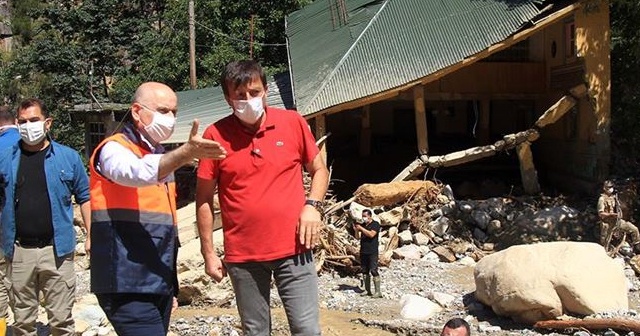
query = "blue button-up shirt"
x=66 y=177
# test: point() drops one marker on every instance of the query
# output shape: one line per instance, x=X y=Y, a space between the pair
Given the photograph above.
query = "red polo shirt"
x=260 y=184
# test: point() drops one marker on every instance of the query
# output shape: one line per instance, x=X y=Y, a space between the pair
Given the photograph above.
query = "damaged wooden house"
x=512 y=90
x=515 y=91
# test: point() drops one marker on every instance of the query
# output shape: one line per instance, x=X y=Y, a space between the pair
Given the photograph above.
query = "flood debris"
x=423 y=219
x=521 y=141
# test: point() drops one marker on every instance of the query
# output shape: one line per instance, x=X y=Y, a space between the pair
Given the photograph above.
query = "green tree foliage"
x=625 y=87
x=73 y=52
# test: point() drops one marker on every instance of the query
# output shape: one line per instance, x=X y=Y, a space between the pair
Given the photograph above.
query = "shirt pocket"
x=66 y=179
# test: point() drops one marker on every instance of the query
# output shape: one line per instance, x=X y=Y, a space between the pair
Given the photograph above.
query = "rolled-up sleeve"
x=81 y=183
x=120 y=165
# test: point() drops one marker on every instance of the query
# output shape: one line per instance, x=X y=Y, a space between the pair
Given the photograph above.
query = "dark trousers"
x=369 y=264
x=133 y=314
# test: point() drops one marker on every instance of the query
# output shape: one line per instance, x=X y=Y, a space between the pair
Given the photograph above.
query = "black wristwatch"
x=316 y=204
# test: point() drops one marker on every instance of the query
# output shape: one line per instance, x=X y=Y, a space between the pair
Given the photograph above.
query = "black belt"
x=33 y=242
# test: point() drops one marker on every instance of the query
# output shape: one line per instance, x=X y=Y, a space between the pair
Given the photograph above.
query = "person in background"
x=133 y=207
x=456 y=327
x=9 y=136
x=38 y=236
x=269 y=225
x=369 y=231
x=611 y=218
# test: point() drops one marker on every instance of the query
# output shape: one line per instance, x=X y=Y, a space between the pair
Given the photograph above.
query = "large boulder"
x=530 y=283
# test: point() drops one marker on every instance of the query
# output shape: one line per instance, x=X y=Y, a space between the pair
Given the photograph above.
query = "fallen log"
x=591 y=324
x=391 y=193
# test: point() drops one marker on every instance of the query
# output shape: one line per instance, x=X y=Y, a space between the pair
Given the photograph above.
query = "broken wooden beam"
x=528 y=171
x=373 y=195
x=562 y=106
x=591 y=324
x=460 y=157
x=414 y=169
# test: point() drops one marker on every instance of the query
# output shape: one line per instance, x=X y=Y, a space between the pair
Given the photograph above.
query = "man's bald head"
x=153 y=92
x=151 y=98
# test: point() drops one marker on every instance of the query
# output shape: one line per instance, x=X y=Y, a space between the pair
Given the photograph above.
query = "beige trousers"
x=38 y=269
x=625 y=227
x=4 y=296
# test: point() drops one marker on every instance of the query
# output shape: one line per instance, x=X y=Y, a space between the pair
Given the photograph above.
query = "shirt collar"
x=5 y=128
x=130 y=131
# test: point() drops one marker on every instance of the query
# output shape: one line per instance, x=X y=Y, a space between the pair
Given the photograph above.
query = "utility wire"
x=241 y=40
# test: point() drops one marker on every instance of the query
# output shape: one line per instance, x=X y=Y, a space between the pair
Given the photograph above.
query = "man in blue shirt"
x=38 y=238
x=9 y=136
x=8 y=130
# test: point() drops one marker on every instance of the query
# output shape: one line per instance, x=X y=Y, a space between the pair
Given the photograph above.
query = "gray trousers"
x=297 y=284
x=38 y=269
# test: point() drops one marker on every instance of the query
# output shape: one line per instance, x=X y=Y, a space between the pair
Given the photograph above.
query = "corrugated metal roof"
x=208 y=105
x=386 y=44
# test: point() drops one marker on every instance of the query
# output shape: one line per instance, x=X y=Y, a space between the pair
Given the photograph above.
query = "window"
x=570 y=40
x=96 y=134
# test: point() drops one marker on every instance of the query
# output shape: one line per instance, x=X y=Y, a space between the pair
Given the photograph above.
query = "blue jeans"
x=297 y=284
x=134 y=314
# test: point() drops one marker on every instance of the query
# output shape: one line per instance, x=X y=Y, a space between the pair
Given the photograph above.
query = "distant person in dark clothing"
x=456 y=327
x=369 y=230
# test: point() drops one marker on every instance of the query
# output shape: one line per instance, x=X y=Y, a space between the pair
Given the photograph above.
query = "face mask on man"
x=610 y=190
x=32 y=133
x=250 y=110
x=161 y=127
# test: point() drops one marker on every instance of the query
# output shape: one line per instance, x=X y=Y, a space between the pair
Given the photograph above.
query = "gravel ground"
x=341 y=295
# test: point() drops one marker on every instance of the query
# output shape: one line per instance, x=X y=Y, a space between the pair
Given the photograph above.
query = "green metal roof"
x=384 y=44
x=208 y=105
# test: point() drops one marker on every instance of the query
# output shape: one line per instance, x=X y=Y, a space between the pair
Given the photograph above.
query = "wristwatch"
x=316 y=204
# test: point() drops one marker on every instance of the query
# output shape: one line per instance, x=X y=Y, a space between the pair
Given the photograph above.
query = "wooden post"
x=321 y=130
x=421 y=119
x=365 y=132
x=192 y=45
x=527 y=169
x=484 y=122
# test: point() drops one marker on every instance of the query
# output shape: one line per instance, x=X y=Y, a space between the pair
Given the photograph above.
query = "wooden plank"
x=619 y=323
x=365 y=131
x=421 y=119
x=438 y=96
x=556 y=111
x=460 y=157
x=321 y=131
x=415 y=168
x=187 y=225
x=528 y=171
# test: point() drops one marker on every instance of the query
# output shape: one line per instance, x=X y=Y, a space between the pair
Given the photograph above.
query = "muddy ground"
x=345 y=312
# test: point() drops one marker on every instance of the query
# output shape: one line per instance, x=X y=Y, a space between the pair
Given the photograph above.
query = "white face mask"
x=161 y=127
x=32 y=133
x=610 y=190
x=248 y=111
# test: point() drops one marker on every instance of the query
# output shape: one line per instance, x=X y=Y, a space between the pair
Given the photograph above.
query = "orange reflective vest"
x=133 y=231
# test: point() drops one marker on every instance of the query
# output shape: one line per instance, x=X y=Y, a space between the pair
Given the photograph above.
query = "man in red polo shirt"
x=269 y=225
